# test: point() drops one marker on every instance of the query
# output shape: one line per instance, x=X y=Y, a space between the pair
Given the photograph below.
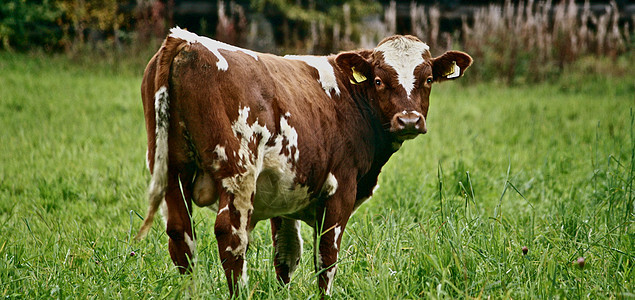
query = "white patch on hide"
x=268 y=175
x=404 y=55
x=222 y=156
x=220 y=152
x=277 y=192
x=211 y=45
x=330 y=185
x=192 y=245
x=325 y=70
x=291 y=135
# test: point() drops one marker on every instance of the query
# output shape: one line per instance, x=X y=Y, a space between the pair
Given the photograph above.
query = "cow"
x=256 y=136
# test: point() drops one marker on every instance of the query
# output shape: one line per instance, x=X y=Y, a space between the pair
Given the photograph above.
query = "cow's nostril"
x=408 y=122
x=400 y=122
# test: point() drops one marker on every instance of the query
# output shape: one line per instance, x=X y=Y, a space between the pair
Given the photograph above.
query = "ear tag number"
x=359 y=77
x=454 y=72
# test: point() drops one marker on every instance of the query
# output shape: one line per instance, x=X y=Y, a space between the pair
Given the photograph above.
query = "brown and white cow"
x=289 y=139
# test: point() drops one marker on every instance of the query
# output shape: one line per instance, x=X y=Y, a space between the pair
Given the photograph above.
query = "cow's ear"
x=450 y=65
x=355 y=67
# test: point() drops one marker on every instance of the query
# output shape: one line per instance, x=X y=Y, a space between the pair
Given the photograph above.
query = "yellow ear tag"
x=359 y=77
x=454 y=71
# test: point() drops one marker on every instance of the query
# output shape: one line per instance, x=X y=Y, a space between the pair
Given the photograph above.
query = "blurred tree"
x=317 y=24
x=95 y=20
x=27 y=22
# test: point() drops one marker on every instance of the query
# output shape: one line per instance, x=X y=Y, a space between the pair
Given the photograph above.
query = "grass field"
x=547 y=166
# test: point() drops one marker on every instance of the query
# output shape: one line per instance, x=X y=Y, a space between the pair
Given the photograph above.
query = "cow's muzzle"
x=408 y=124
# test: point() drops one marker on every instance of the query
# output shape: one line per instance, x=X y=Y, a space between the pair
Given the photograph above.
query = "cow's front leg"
x=331 y=221
x=182 y=245
x=232 y=234
x=287 y=243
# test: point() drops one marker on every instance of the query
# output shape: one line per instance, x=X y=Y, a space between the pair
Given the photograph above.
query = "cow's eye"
x=377 y=82
x=429 y=80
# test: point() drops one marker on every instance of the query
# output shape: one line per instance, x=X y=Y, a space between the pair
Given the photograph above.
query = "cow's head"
x=396 y=78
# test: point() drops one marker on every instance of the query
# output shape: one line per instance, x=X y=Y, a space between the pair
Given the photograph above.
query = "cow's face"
x=396 y=78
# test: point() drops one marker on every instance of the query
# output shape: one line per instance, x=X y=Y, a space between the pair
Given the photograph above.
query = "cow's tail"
x=156 y=191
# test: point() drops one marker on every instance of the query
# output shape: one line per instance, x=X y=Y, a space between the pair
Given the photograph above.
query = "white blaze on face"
x=325 y=71
x=211 y=45
x=404 y=55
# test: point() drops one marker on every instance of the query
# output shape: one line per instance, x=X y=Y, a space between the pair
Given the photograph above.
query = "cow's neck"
x=372 y=140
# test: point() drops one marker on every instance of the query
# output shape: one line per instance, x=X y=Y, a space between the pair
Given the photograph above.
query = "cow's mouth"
x=404 y=135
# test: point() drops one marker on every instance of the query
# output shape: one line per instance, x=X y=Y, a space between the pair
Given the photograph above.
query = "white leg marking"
x=330 y=274
x=224 y=209
x=298 y=225
x=244 y=279
x=192 y=245
x=337 y=230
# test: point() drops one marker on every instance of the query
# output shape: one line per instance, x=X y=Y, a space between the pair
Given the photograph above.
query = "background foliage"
x=515 y=42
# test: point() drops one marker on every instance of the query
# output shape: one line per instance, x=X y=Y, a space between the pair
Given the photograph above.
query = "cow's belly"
x=278 y=195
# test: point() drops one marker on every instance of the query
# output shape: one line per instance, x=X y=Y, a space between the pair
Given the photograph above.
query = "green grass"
x=546 y=166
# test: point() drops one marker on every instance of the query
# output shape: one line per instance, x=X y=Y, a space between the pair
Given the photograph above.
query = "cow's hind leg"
x=287 y=243
x=232 y=234
x=179 y=228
